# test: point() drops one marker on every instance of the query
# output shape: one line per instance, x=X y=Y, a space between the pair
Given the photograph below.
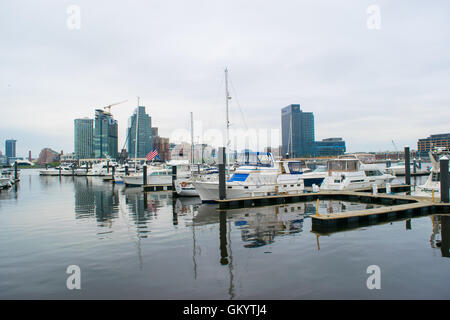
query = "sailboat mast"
x=227 y=97
x=192 y=138
x=136 y=142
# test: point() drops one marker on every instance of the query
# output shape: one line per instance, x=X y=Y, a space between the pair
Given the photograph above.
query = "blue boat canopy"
x=238 y=177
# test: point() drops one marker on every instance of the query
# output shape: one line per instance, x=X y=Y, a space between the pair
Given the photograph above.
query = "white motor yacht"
x=350 y=173
x=257 y=175
x=156 y=175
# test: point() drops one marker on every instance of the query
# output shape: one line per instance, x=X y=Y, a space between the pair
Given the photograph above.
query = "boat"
x=184 y=183
x=258 y=175
x=399 y=169
x=156 y=175
x=349 y=173
x=315 y=177
x=432 y=187
x=63 y=170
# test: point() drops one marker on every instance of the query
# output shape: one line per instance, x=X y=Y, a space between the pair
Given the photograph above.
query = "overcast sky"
x=369 y=86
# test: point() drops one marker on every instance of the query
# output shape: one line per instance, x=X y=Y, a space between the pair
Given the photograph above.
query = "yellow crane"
x=108 y=107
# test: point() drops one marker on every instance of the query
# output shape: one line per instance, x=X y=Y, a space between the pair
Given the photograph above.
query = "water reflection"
x=93 y=200
x=440 y=237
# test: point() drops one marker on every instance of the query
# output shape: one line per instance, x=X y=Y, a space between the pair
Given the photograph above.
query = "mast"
x=227 y=97
x=136 y=142
x=192 y=138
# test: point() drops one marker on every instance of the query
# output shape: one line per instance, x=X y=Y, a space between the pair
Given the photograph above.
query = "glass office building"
x=330 y=147
x=10 y=148
x=105 y=135
x=297 y=132
x=144 y=136
x=84 y=138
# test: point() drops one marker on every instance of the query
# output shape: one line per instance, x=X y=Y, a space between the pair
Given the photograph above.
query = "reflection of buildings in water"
x=440 y=237
x=94 y=200
x=144 y=207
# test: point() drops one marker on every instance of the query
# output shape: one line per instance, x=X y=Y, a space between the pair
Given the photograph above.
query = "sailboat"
x=257 y=173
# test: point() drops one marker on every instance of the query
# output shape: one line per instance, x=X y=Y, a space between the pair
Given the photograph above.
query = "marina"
x=135 y=244
x=217 y=156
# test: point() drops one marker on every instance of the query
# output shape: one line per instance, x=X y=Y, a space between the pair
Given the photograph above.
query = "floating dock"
x=357 y=195
x=157 y=187
x=348 y=220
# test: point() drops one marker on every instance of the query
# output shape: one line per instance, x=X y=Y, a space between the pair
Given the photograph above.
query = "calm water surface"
x=135 y=245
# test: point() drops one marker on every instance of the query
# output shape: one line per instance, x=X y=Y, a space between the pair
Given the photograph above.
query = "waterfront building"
x=433 y=141
x=10 y=148
x=297 y=132
x=162 y=145
x=144 y=135
x=330 y=147
x=47 y=156
x=84 y=138
x=105 y=135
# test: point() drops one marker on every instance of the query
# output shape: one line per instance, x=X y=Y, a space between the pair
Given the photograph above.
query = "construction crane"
x=114 y=104
x=395 y=146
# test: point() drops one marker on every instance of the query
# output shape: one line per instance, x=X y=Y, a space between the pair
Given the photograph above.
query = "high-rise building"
x=105 y=135
x=297 y=131
x=144 y=136
x=10 y=148
x=84 y=138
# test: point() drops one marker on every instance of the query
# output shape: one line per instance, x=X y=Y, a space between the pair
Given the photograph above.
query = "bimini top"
x=260 y=159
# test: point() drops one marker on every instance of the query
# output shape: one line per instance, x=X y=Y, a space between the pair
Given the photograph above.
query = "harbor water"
x=134 y=245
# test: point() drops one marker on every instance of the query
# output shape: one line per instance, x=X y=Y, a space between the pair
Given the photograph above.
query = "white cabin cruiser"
x=351 y=173
x=258 y=175
x=63 y=170
x=156 y=175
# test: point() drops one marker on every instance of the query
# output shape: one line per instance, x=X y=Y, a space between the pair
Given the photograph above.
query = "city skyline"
x=357 y=81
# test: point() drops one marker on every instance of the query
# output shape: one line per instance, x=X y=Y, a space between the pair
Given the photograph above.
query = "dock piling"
x=113 y=171
x=388 y=188
x=174 y=178
x=443 y=164
x=407 y=167
x=15 y=171
x=144 y=174
x=374 y=189
x=222 y=182
x=126 y=169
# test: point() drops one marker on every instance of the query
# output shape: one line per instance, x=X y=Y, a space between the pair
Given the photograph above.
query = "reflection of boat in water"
x=260 y=226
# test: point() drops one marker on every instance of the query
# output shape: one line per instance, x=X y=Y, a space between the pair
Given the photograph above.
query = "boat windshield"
x=343 y=165
x=261 y=159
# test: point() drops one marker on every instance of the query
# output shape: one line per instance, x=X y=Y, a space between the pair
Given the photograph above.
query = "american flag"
x=152 y=154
